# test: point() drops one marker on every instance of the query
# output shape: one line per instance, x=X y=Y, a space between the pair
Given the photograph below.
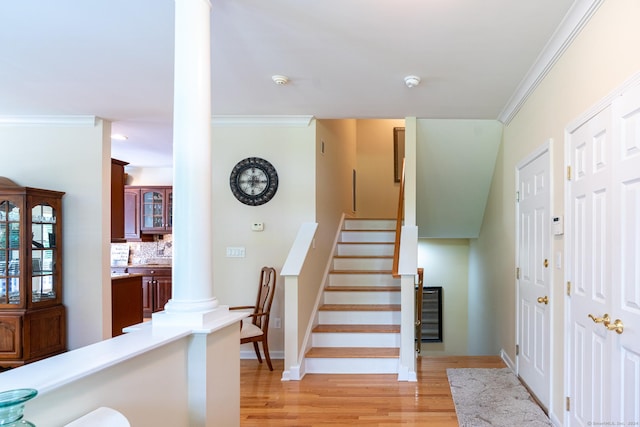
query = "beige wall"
x=149 y=176
x=602 y=57
x=74 y=158
x=334 y=168
x=446 y=264
x=291 y=150
x=377 y=193
x=334 y=197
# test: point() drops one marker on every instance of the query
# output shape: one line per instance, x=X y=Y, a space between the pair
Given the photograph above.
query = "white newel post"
x=192 y=300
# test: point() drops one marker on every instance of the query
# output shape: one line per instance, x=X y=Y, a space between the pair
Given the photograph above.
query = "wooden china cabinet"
x=32 y=317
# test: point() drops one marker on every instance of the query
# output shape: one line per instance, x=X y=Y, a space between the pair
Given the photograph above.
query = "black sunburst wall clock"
x=253 y=181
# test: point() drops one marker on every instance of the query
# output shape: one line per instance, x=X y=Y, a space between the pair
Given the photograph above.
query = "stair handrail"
x=399 y=218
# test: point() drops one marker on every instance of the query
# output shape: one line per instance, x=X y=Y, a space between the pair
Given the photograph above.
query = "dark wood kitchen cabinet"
x=132 y=213
x=32 y=317
x=156 y=210
x=156 y=287
x=147 y=210
x=118 y=178
x=126 y=302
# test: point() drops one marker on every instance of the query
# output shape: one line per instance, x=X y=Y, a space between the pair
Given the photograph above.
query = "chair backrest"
x=266 y=290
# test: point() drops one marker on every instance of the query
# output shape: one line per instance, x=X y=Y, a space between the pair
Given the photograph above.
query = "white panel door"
x=625 y=375
x=534 y=304
x=604 y=243
x=588 y=216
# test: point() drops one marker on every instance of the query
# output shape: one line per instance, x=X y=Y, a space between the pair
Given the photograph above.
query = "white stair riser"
x=363 y=280
x=351 y=366
x=347 y=297
x=362 y=263
x=355 y=339
x=361 y=224
x=365 y=249
x=365 y=236
x=359 y=318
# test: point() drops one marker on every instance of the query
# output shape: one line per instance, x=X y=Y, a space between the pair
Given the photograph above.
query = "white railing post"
x=291 y=271
x=408 y=269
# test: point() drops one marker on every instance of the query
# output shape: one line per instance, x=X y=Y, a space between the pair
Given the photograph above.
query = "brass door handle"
x=543 y=300
x=616 y=326
x=604 y=319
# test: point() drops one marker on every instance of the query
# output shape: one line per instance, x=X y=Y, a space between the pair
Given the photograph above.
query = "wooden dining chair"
x=257 y=330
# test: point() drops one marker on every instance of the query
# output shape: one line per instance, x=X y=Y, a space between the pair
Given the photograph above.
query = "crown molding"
x=48 y=120
x=259 y=121
x=574 y=21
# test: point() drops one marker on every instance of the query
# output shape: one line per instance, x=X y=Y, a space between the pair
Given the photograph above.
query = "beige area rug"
x=493 y=397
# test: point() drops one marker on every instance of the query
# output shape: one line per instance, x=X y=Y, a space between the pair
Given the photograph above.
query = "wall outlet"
x=277 y=324
x=257 y=226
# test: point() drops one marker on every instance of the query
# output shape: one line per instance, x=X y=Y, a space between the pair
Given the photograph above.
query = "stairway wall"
x=377 y=193
x=446 y=264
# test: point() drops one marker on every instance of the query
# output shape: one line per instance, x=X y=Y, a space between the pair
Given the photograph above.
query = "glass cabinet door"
x=169 y=208
x=43 y=247
x=152 y=210
x=156 y=209
x=9 y=253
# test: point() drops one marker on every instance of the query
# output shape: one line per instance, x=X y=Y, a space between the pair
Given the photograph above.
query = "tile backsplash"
x=157 y=252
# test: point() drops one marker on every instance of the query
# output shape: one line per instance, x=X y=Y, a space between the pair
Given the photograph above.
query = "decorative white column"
x=193 y=302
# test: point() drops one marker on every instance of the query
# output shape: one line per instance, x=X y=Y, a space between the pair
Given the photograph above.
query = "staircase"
x=358 y=327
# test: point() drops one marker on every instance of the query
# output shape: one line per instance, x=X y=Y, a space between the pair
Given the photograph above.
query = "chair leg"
x=265 y=347
x=255 y=347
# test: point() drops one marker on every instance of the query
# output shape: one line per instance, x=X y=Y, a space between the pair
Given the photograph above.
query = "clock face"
x=253 y=181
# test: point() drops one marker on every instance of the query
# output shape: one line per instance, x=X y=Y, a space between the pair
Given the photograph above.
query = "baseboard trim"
x=505 y=358
x=554 y=420
x=250 y=354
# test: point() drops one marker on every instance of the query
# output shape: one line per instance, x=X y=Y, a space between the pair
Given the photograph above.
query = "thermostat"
x=558 y=225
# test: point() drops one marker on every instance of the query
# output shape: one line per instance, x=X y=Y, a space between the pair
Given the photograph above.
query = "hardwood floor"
x=347 y=400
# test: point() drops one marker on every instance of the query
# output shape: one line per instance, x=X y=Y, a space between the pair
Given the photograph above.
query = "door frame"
x=546 y=147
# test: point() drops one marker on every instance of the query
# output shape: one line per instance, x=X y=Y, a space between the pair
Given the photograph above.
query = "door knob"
x=543 y=300
x=604 y=319
x=615 y=326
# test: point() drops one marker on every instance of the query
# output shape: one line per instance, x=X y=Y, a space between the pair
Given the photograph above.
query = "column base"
x=189 y=314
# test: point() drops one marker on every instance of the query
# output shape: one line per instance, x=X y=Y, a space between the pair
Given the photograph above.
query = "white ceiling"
x=344 y=58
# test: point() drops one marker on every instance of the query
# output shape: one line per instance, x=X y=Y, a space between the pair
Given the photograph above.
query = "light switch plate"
x=235 y=252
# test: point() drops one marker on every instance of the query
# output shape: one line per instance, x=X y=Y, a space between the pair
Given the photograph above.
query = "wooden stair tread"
x=369 y=219
x=353 y=352
x=362 y=289
x=365 y=243
x=357 y=328
x=360 y=272
x=363 y=256
x=360 y=307
x=370 y=230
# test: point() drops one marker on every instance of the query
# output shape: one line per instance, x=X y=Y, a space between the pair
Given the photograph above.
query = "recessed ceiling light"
x=119 y=137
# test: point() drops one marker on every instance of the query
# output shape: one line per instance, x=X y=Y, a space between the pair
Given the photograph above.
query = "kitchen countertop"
x=117 y=276
x=149 y=265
